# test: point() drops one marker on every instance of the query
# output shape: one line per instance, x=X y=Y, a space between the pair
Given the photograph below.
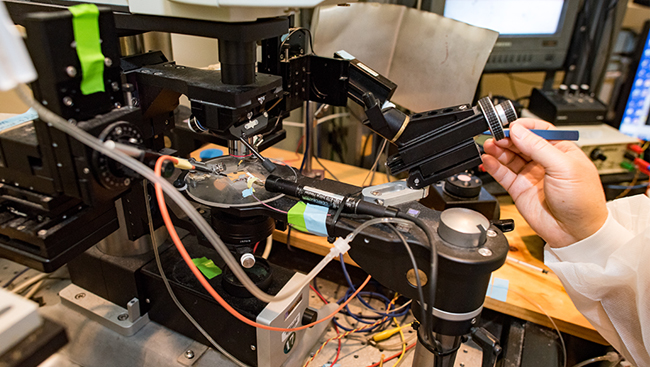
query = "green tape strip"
x=296 y=216
x=207 y=267
x=85 y=23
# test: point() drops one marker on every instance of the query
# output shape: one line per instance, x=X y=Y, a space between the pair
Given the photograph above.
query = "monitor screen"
x=508 y=17
x=534 y=35
x=635 y=121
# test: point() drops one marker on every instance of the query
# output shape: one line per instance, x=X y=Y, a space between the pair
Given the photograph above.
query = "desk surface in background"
x=529 y=291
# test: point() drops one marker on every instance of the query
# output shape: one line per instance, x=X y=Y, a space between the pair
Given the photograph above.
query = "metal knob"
x=463 y=227
x=497 y=116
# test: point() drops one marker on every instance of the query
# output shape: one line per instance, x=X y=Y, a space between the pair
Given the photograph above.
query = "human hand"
x=555 y=186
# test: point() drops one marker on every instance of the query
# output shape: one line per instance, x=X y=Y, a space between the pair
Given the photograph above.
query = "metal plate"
x=229 y=188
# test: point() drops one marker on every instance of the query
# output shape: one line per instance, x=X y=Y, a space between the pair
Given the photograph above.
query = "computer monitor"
x=633 y=106
x=534 y=35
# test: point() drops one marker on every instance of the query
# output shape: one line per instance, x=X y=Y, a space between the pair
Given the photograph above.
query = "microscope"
x=64 y=203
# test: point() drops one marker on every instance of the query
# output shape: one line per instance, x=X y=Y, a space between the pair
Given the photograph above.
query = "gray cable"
x=110 y=151
x=169 y=288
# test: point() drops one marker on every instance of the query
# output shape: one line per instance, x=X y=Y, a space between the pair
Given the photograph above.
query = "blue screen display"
x=635 y=117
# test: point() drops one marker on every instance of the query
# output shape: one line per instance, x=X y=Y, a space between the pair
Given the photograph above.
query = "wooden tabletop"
x=531 y=294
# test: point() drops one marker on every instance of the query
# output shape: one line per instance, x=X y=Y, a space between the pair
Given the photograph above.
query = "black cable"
x=325 y=168
x=433 y=275
x=513 y=88
x=8 y=283
x=415 y=268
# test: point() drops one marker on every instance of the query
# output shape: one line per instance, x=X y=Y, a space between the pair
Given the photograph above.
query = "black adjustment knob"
x=310 y=315
x=463 y=185
x=497 y=116
x=597 y=155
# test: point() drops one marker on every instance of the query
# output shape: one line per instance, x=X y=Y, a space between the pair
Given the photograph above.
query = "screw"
x=86 y=170
x=473 y=321
x=71 y=71
x=42 y=232
x=67 y=101
x=485 y=252
x=55 y=145
x=253 y=347
x=462 y=364
x=79 y=295
x=491 y=233
x=117 y=105
x=462 y=107
x=59 y=165
x=189 y=354
x=118 y=130
x=115 y=86
x=416 y=181
x=464 y=350
x=108 y=62
x=123 y=317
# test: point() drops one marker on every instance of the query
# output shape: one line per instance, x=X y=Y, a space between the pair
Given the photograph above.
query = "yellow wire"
x=401 y=335
x=645 y=145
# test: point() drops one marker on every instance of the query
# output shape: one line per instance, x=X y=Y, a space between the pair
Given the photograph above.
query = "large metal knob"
x=463 y=227
x=497 y=116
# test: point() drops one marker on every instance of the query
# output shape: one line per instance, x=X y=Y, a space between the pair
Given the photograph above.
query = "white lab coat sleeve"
x=608 y=277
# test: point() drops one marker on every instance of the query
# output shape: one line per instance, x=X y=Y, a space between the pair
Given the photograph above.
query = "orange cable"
x=199 y=276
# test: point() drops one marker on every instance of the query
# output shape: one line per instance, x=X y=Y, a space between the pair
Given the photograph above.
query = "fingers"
x=538 y=149
x=506 y=157
x=502 y=174
x=529 y=123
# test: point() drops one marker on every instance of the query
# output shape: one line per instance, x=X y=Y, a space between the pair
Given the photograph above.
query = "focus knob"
x=497 y=116
x=463 y=227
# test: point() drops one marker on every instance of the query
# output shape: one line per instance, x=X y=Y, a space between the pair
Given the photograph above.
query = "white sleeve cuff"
x=594 y=249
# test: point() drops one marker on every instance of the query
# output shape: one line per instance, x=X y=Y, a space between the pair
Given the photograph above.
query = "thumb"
x=538 y=149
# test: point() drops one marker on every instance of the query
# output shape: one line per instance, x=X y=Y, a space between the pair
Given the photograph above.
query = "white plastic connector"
x=613 y=357
x=341 y=246
x=15 y=65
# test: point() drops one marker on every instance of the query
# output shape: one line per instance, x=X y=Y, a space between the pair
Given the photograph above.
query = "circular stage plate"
x=230 y=188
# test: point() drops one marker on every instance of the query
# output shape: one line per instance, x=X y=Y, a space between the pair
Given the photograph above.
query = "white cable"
x=332 y=117
x=24 y=285
x=269 y=246
x=34 y=289
x=609 y=357
x=61 y=124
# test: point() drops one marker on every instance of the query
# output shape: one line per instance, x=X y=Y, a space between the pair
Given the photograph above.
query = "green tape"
x=85 y=23
x=296 y=216
x=207 y=267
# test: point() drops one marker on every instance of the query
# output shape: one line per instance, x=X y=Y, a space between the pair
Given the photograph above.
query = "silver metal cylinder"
x=423 y=357
x=237 y=148
x=131 y=45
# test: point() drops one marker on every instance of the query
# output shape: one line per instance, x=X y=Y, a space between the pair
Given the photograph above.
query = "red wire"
x=338 y=350
x=393 y=356
x=299 y=144
x=318 y=294
x=199 y=276
x=255 y=248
